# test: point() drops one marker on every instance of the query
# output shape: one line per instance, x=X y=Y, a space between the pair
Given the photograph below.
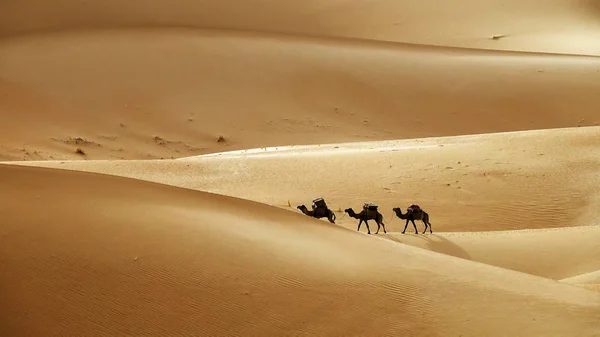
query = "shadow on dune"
x=442 y=245
x=435 y=243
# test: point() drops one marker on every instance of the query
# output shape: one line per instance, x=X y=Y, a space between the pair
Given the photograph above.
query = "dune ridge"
x=490 y=25
x=290 y=88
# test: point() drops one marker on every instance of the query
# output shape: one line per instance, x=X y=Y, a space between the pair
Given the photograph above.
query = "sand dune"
x=560 y=26
x=140 y=258
x=504 y=181
x=169 y=93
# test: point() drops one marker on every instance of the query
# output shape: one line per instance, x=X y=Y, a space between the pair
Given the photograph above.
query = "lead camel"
x=414 y=213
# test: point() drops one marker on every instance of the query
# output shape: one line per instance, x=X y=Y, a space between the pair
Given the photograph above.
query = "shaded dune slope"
x=142 y=258
x=504 y=181
x=120 y=94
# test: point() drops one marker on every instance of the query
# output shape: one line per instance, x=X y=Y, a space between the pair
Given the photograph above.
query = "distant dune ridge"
x=153 y=154
x=560 y=26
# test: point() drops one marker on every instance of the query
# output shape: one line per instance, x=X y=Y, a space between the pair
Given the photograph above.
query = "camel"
x=364 y=215
x=418 y=214
x=318 y=213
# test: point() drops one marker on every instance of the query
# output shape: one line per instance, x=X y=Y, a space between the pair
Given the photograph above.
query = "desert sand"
x=153 y=154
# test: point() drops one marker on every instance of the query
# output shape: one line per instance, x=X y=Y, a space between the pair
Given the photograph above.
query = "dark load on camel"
x=319 y=203
x=370 y=206
x=413 y=208
x=371 y=209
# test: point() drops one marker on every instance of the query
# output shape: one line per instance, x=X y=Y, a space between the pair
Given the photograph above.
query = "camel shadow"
x=437 y=243
x=442 y=245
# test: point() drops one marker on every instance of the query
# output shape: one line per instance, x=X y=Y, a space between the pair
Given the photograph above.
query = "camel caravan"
x=369 y=212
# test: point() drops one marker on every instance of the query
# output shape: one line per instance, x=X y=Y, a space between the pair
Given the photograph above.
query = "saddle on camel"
x=413 y=208
x=371 y=209
x=319 y=206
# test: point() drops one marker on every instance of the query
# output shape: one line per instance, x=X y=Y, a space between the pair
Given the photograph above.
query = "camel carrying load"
x=319 y=207
x=319 y=210
x=369 y=212
x=414 y=212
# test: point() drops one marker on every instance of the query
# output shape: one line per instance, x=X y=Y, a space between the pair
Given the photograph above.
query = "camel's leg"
x=331 y=217
x=359 y=223
x=405 y=226
x=426 y=220
x=378 y=226
x=383 y=225
x=368 y=229
x=414 y=225
x=424 y=230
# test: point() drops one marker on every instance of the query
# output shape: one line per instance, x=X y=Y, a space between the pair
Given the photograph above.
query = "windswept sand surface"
x=153 y=154
x=140 y=258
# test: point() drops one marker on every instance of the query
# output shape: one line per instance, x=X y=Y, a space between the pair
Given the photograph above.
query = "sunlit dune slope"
x=504 y=181
x=563 y=26
x=591 y=278
x=134 y=257
x=588 y=281
x=558 y=253
x=163 y=93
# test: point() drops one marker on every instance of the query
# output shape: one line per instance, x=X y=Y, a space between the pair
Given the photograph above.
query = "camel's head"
x=347 y=210
x=396 y=209
x=301 y=207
